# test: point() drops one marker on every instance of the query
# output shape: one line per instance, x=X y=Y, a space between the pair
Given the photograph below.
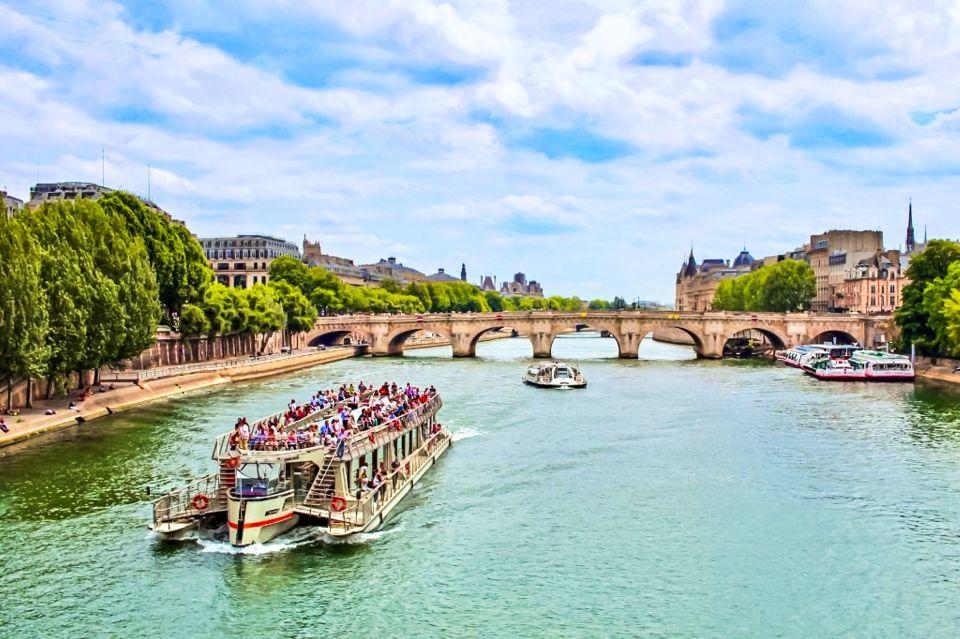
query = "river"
x=672 y=497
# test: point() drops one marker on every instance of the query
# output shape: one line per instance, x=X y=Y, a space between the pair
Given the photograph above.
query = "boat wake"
x=301 y=536
x=358 y=539
x=465 y=433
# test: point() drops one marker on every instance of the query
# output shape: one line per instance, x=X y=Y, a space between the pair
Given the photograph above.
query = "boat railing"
x=360 y=512
x=184 y=501
x=358 y=443
x=221 y=446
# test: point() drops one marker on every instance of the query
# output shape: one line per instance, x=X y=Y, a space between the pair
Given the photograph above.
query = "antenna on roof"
x=148 y=182
x=103 y=168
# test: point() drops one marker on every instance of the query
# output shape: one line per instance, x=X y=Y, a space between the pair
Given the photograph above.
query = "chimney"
x=392 y=260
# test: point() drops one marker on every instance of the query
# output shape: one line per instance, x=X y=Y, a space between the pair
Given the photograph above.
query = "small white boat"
x=554 y=375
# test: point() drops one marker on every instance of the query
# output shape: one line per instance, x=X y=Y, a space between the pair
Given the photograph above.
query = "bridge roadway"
x=386 y=334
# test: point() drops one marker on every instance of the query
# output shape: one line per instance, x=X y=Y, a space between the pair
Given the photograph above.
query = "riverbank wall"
x=940 y=369
x=34 y=422
x=134 y=395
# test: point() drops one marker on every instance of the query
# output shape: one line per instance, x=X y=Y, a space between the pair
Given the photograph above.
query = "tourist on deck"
x=3 y=426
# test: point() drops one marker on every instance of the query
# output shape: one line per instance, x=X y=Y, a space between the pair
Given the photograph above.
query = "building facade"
x=874 y=285
x=10 y=203
x=832 y=255
x=56 y=191
x=441 y=276
x=520 y=287
x=343 y=268
x=244 y=261
x=697 y=284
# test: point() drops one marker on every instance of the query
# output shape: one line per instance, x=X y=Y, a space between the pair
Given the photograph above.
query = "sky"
x=588 y=144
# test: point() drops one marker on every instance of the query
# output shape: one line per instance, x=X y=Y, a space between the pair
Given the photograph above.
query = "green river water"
x=670 y=498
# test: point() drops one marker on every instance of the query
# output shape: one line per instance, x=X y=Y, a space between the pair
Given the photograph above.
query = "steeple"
x=463 y=272
x=924 y=234
x=911 y=243
x=691 y=267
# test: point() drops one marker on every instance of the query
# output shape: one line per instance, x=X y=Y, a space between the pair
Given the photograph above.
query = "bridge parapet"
x=386 y=334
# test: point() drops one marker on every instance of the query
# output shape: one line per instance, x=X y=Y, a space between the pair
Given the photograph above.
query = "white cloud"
x=392 y=151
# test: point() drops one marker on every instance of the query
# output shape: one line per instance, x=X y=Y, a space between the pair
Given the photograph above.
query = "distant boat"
x=870 y=366
x=554 y=375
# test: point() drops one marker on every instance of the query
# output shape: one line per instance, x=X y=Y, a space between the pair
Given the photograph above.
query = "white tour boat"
x=871 y=366
x=262 y=493
x=554 y=375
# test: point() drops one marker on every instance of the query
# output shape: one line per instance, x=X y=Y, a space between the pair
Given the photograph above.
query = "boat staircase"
x=323 y=486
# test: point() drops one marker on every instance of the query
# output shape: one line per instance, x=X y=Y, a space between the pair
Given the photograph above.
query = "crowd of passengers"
x=340 y=414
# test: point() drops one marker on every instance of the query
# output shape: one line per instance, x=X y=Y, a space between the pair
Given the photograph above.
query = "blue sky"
x=586 y=143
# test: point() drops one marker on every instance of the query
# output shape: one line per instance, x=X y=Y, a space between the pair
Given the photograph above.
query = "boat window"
x=258 y=479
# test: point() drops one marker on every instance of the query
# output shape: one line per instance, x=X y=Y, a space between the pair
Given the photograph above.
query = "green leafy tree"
x=193 y=320
x=782 y=287
x=913 y=316
x=180 y=267
x=23 y=310
x=951 y=316
x=599 y=305
x=300 y=313
x=265 y=315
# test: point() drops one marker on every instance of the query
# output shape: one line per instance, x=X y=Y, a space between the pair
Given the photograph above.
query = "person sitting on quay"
x=3 y=426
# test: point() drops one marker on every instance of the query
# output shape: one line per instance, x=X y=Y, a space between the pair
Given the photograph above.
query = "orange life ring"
x=233 y=462
x=407 y=468
x=338 y=504
x=200 y=502
x=372 y=438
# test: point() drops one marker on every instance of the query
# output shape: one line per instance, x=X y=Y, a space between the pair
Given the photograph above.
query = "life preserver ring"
x=233 y=462
x=407 y=468
x=200 y=502
x=338 y=504
x=372 y=438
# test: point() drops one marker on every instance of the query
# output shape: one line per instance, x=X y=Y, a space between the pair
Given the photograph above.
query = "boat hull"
x=259 y=519
x=560 y=385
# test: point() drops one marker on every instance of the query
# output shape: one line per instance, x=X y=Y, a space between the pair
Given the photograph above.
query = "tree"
x=266 y=314
x=180 y=267
x=599 y=305
x=951 y=313
x=23 y=311
x=300 y=313
x=782 y=287
x=193 y=320
x=913 y=316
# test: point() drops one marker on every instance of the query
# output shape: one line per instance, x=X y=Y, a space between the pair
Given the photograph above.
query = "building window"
x=893 y=288
x=873 y=301
x=223 y=266
x=873 y=288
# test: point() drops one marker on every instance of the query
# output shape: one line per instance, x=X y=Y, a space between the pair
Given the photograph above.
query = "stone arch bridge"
x=386 y=334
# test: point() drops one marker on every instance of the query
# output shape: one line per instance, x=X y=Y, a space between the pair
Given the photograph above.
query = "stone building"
x=10 y=203
x=343 y=268
x=832 y=255
x=391 y=269
x=244 y=260
x=488 y=283
x=874 y=285
x=697 y=284
x=519 y=287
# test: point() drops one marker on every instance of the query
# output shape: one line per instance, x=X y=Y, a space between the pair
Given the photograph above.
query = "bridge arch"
x=330 y=338
x=395 y=340
x=775 y=341
x=605 y=330
x=835 y=336
x=471 y=340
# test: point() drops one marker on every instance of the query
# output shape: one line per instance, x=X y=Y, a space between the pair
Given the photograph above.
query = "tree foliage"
x=180 y=267
x=782 y=287
x=921 y=316
x=24 y=319
x=329 y=294
x=95 y=283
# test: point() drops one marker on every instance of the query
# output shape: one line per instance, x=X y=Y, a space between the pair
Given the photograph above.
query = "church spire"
x=911 y=243
x=463 y=272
